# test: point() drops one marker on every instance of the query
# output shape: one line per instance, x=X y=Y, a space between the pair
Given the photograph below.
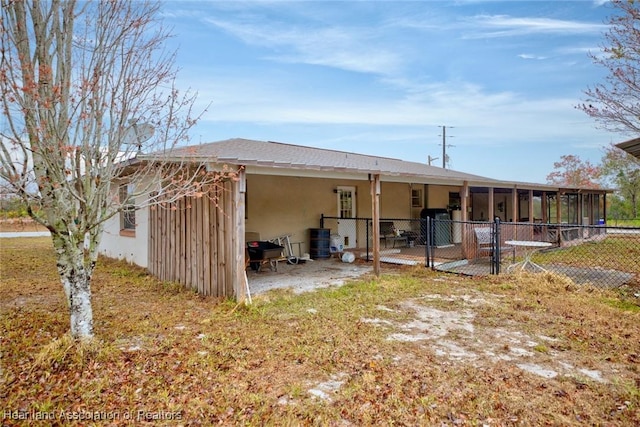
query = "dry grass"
x=411 y=348
x=20 y=224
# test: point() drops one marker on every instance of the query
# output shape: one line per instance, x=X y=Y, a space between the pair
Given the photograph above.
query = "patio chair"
x=484 y=244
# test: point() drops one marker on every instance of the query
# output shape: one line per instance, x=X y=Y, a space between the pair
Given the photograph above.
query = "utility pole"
x=431 y=159
x=444 y=145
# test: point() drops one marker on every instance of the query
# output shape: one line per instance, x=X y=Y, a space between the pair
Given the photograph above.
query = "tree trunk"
x=80 y=305
x=76 y=281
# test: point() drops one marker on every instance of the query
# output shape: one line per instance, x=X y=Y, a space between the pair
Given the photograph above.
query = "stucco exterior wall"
x=278 y=205
x=438 y=195
x=395 y=200
x=133 y=249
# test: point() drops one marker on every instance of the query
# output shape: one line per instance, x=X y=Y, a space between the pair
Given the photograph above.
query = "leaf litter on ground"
x=411 y=347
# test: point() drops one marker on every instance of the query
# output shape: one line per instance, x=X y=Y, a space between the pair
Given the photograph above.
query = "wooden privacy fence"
x=193 y=242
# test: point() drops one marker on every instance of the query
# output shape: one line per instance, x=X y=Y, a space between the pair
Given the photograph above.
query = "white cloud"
x=507 y=26
x=352 y=49
x=530 y=56
x=490 y=117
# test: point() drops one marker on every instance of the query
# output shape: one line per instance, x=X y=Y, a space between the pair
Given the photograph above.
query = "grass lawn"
x=620 y=253
x=624 y=222
x=413 y=347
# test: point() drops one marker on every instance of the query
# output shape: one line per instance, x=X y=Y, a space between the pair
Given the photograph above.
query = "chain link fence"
x=598 y=255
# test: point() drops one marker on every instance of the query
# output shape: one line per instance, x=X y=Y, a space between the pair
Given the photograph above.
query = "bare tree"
x=615 y=103
x=83 y=85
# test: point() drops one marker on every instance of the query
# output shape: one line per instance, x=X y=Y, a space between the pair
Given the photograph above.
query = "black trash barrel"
x=319 y=242
x=442 y=230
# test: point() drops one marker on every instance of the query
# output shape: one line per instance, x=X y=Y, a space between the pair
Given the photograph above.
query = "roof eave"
x=631 y=146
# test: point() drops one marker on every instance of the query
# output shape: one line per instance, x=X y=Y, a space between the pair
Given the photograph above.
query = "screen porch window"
x=128 y=213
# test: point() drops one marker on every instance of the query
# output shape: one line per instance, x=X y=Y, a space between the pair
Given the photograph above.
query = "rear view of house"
x=285 y=189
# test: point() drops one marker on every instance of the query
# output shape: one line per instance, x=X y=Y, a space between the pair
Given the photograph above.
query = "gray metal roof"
x=238 y=151
x=288 y=157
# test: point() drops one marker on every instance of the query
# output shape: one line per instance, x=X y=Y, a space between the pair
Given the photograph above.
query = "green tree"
x=622 y=171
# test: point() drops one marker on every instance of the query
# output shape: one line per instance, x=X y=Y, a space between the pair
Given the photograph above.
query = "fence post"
x=423 y=232
x=430 y=230
x=367 y=239
x=495 y=251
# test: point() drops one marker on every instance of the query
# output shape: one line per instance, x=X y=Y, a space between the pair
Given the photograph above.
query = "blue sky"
x=382 y=77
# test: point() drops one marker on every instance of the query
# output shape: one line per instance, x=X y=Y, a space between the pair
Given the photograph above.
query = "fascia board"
x=304 y=173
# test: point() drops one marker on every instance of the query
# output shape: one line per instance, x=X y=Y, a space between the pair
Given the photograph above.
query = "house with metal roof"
x=285 y=189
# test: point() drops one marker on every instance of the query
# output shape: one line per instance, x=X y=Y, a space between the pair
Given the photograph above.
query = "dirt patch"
x=305 y=277
x=452 y=335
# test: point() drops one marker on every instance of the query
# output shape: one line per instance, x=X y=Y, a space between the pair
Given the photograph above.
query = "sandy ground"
x=457 y=341
x=452 y=333
x=311 y=275
x=454 y=336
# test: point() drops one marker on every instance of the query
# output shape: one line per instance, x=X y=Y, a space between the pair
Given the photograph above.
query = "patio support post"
x=491 y=213
x=558 y=207
x=580 y=206
x=530 y=209
x=464 y=201
x=514 y=204
x=367 y=238
x=375 y=210
x=240 y=280
x=545 y=201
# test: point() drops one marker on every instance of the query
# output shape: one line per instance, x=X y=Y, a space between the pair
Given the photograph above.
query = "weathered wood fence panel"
x=192 y=242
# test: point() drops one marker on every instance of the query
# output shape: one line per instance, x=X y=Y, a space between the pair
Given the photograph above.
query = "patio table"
x=529 y=248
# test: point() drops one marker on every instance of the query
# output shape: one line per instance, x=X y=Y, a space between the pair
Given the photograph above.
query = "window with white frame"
x=128 y=212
